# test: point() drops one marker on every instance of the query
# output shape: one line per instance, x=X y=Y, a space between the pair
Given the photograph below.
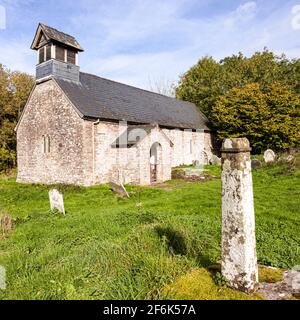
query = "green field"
x=112 y=248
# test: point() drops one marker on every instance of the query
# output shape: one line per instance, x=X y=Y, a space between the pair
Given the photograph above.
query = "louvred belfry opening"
x=57 y=54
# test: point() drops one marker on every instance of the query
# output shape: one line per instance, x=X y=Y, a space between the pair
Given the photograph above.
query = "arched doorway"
x=155 y=162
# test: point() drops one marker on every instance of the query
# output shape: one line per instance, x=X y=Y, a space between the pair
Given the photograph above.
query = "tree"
x=162 y=86
x=256 y=97
x=269 y=117
x=202 y=84
x=205 y=82
x=14 y=91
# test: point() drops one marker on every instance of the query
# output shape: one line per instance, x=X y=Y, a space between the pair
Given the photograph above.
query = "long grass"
x=112 y=248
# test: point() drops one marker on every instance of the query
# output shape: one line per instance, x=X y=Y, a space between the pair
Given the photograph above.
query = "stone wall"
x=165 y=150
x=128 y=165
x=189 y=146
x=132 y=165
x=70 y=160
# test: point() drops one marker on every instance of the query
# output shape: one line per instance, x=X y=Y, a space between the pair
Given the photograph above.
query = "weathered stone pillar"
x=239 y=261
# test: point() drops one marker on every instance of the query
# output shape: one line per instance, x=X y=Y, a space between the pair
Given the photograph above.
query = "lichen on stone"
x=199 y=284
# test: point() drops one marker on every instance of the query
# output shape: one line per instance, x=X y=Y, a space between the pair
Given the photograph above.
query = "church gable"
x=42 y=40
x=44 y=99
x=52 y=139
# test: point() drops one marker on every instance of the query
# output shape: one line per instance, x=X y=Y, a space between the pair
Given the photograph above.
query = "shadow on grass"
x=178 y=244
x=174 y=239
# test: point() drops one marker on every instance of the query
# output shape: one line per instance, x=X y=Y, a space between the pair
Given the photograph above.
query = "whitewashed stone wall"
x=190 y=146
x=128 y=165
x=164 y=159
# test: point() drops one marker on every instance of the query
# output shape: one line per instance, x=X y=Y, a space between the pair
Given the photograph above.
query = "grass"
x=112 y=248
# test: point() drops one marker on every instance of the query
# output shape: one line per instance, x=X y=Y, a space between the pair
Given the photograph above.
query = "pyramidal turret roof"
x=51 y=34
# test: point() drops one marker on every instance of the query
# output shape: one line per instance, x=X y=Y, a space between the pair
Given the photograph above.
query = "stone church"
x=78 y=128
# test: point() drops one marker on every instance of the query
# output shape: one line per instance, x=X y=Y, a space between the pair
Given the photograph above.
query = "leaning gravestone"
x=56 y=201
x=119 y=189
x=255 y=163
x=239 y=261
x=269 y=156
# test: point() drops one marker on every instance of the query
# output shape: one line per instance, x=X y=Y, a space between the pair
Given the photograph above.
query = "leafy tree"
x=269 y=118
x=202 y=84
x=205 y=82
x=252 y=89
x=14 y=91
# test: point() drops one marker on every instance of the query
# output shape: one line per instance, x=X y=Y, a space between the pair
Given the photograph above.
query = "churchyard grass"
x=108 y=247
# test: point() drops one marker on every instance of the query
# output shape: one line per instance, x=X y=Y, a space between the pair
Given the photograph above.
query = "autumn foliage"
x=14 y=91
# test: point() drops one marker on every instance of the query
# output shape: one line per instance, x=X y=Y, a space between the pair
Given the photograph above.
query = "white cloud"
x=296 y=17
x=225 y=34
x=140 y=69
x=17 y=56
x=247 y=7
x=243 y=13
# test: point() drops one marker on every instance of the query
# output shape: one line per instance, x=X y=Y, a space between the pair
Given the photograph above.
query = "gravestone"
x=56 y=201
x=255 y=163
x=239 y=261
x=289 y=159
x=119 y=189
x=214 y=160
x=269 y=156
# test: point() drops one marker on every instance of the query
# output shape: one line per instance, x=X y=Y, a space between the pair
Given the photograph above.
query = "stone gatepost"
x=239 y=261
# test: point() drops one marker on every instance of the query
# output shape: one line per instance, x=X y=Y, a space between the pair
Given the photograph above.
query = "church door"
x=155 y=162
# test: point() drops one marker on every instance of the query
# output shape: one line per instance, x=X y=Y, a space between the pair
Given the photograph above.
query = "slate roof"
x=59 y=36
x=99 y=98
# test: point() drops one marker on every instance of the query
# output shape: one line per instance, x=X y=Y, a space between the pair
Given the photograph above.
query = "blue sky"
x=145 y=41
